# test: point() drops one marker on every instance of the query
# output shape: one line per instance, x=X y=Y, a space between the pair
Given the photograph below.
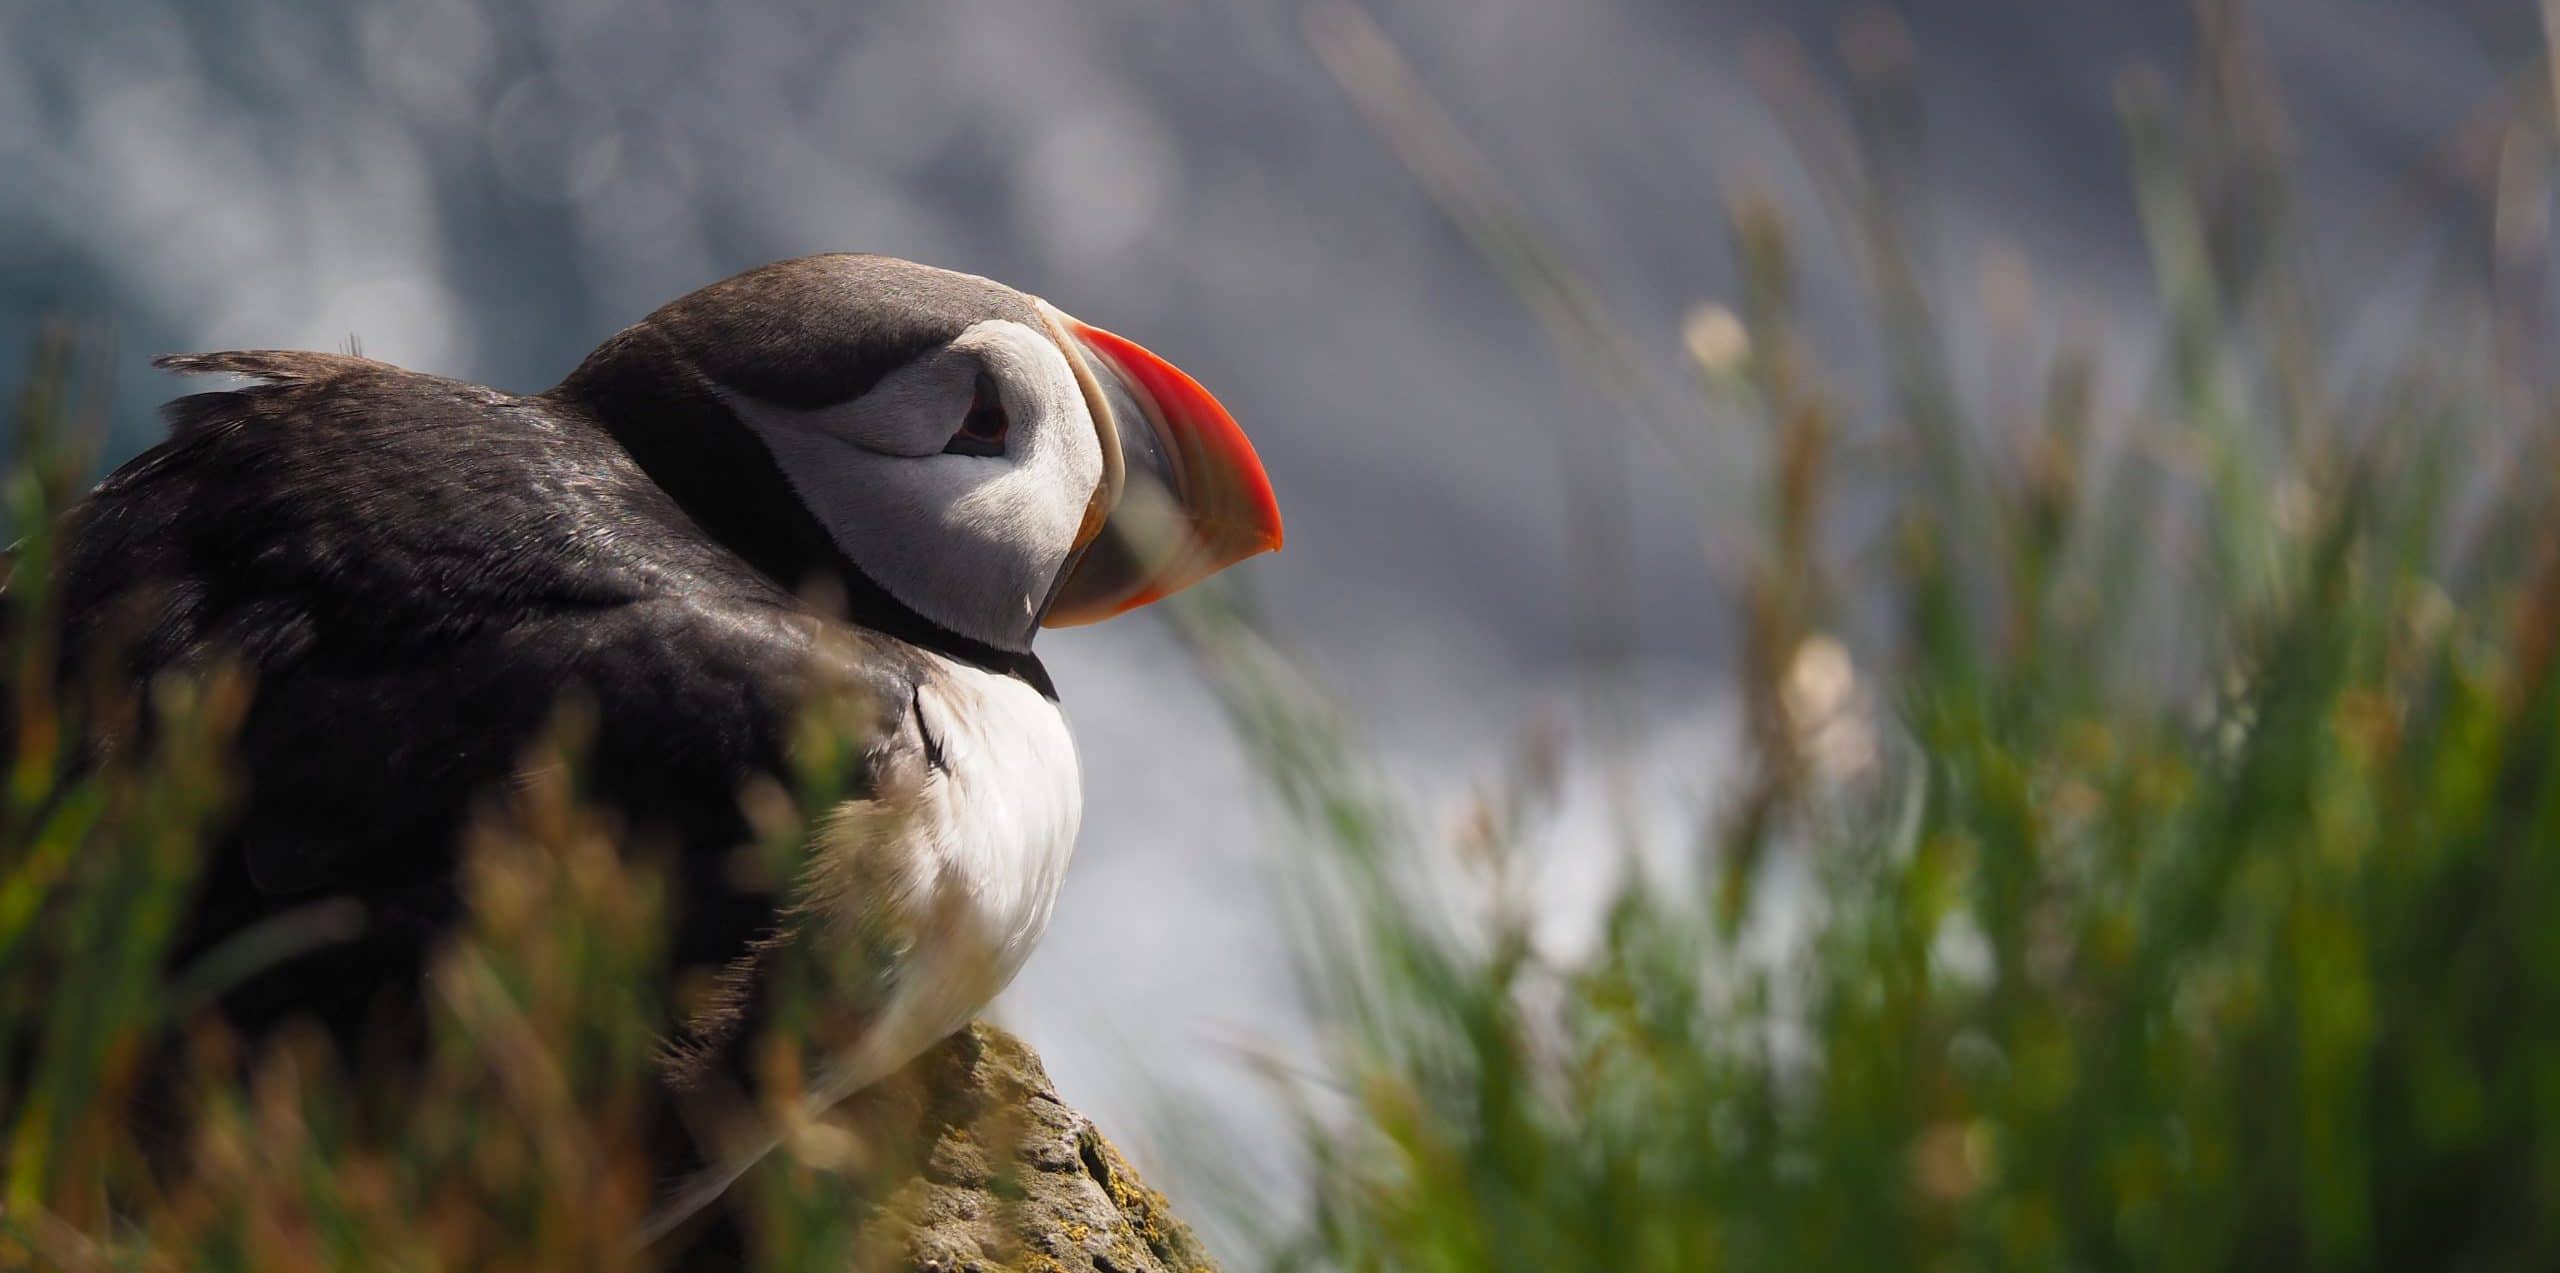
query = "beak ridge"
x=1193 y=498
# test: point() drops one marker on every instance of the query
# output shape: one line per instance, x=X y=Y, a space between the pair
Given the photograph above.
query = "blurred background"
x=486 y=191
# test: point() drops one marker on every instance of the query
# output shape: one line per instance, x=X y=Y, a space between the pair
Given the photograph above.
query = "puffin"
x=840 y=476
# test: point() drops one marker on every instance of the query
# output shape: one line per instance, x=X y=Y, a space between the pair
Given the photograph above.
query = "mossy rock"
x=1010 y=1176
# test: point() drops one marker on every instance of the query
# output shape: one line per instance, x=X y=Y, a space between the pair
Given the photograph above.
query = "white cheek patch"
x=970 y=542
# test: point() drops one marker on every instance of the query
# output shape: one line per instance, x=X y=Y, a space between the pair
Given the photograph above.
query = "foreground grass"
x=2168 y=796
x=2169 y=804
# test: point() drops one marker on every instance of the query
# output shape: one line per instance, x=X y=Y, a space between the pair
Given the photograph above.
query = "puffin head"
x=987 y=462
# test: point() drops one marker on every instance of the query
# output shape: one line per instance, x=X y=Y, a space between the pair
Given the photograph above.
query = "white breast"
x=950 y=870
x=1001 y=813
x=943 y=879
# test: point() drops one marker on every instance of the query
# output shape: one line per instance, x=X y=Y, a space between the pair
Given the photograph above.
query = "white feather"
x=966 y=864
x=989 y=835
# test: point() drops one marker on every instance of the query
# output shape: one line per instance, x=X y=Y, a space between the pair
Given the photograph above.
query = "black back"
x=414 y=570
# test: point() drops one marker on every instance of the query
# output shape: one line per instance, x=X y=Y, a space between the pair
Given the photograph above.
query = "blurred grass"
x=2170 y=799
x=2179 y=837
x=138 y=1137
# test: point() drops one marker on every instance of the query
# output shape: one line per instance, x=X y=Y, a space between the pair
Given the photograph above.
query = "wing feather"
x=415 y=571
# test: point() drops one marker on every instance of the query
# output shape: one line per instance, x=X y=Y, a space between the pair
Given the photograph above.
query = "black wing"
x=415 y=571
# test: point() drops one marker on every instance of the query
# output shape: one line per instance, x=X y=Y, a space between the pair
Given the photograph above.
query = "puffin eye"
x=982 y=431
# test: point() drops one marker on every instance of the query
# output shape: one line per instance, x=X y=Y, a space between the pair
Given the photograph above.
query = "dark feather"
x=415 y=570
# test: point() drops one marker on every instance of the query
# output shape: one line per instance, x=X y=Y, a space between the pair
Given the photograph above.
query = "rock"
x=1011 y=1176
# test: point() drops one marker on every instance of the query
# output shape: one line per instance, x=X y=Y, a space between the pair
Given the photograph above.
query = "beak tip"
x=1269 y=535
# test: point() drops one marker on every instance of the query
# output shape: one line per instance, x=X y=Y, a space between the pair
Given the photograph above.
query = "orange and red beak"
x=1182 y=495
